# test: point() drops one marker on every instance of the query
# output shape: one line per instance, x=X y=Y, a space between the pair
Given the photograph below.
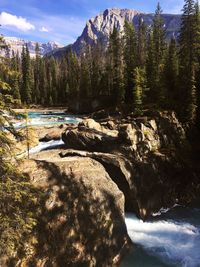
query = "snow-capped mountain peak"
x=16 y=44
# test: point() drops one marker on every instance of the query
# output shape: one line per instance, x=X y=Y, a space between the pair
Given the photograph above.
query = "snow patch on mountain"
x=15 y=45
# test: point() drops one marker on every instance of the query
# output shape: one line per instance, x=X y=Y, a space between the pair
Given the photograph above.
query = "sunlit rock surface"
x=82 y=222
x=148 y=158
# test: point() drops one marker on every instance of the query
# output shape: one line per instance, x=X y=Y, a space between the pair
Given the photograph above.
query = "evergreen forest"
x=140 y=68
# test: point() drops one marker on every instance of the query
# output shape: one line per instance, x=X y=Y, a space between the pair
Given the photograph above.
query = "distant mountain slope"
x=16 y=44
x=102 y=25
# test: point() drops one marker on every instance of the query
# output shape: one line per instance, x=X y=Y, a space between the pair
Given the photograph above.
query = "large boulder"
x=146 y=159
x=88 y=139
x=50 y=134
x=107 y=128
x=119 y=169
x=91 y=124
x=82 y=222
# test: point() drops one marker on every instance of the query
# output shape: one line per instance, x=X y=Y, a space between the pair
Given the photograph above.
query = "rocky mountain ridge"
x=100 y=27
x=16 y=44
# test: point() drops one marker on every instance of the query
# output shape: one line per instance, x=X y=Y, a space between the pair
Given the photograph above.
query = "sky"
x=63 y=20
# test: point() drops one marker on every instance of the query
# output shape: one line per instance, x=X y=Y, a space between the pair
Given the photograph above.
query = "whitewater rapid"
x=173 y=242
x=46 y=146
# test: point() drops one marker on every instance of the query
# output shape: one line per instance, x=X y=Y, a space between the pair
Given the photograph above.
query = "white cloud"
x=64 y=28
x=7 y=19
x=44 y=29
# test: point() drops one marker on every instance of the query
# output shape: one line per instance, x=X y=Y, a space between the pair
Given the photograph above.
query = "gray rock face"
x=100 y=27
x=145 y=157
x=82 y=222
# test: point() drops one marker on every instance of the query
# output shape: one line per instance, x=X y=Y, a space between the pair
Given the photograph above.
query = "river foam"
x=46 y=145
x=175 y=243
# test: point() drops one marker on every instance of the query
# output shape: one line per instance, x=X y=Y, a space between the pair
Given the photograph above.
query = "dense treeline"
x=141 y=68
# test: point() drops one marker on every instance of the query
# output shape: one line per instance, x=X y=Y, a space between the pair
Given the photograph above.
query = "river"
x=46 y=118
x=169 y=238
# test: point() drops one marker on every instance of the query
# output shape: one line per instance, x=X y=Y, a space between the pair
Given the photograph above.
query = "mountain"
x=102 y=25
x=16 y=45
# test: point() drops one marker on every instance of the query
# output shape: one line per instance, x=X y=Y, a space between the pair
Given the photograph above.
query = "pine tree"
x=139 y=89
x=54 y=74
x=116 y=66
x=142 y=43
x=73 y=75
x=63 y=83
x=85 y=75
x=158 y=52
x=170 y=76
x=150 y=69
x=188 y=62
x=14 y=74
x=14 y=83
x=37 y=74
x=26 y=92
x=43 y=85
x=130 y=60
x=97 y=70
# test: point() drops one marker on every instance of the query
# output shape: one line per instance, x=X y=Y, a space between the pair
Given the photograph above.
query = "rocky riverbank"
x=149 y=158
x=105 y=168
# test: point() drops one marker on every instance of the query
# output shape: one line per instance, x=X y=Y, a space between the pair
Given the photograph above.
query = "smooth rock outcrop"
x=89 y=139
x=82 y=222
x=49 y=134
x=146 y=159
x=119 y=169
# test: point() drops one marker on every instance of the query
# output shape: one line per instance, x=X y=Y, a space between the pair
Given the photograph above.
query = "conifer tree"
x=54 y=74
x=139 y=89
x=170 y=76
x=97 y=70
x=187 y=54
x=150 y=68
x=14 y=74
x=26 y=92
x=37 y=75
x=43 y=85
x=73 y=75
x=130 y=60
x=115 y=53
x=14 y=84
x=158 y=49
x=85 y=75
x=142 y=43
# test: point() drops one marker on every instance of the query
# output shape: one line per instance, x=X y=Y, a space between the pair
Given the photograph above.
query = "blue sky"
x=64 y=20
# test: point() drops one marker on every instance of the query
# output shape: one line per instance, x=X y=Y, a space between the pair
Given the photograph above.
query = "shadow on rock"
x=82 y=221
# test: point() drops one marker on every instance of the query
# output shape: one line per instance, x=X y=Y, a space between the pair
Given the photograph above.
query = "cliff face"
x=99 y=28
